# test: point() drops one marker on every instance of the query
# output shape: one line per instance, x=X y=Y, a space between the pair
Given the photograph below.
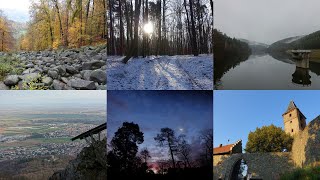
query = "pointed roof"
x=293 y=106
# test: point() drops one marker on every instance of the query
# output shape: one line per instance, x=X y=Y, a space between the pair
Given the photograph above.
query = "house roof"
x=226 y=149
x=223 y=149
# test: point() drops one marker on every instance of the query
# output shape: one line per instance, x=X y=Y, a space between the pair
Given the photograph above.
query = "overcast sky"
x=17 y=10
x=15 y=4
x=267 y=21
x=26 y=99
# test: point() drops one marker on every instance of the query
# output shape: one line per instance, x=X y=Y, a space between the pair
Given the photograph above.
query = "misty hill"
x=311 y=41
x=256 y=47
x=19 y=28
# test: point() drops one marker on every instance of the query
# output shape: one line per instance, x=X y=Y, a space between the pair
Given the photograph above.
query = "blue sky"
x=186 y=112
x=17 y=99
x=236 y=113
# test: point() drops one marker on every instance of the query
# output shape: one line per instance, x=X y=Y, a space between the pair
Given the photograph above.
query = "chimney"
x=220 y=145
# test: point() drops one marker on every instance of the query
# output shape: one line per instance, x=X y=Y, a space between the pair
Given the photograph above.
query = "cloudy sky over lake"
x=267 y=21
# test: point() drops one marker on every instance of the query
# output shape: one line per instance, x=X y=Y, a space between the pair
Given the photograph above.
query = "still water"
x=267 y=72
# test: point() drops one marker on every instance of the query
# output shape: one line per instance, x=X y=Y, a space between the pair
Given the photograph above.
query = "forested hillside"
x=161 y=27
x=227 y=52
x=311 y=41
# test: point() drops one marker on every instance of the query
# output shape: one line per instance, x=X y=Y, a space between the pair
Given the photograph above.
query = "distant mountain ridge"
x=310 y=41
x=256 y=47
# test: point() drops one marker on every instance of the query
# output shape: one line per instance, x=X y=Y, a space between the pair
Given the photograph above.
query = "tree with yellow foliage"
x=6 y=34
x=65 y=23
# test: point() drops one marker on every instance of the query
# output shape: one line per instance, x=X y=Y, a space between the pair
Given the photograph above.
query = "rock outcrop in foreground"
x=72 y=69
x=91 y=163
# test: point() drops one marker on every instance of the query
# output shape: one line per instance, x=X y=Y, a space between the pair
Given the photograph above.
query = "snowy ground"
x=161 y=73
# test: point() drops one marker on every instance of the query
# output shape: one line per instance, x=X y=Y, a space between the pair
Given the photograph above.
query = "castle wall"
x=260 y=165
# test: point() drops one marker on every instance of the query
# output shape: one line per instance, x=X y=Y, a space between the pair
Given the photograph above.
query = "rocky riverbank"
x=72 y=69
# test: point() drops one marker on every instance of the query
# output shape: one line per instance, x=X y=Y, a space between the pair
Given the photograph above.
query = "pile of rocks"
x=72 y=69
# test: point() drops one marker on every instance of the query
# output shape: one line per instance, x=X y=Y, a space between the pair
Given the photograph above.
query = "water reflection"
x=301 y=74
x=270 y=71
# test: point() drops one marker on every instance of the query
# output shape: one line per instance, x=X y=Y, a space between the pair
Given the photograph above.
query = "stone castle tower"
x=293 y=119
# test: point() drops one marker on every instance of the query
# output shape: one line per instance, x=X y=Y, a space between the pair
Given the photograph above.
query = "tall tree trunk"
x=188 y=21
x=194 y=35
x=159 y=28
x=143 y=32
x=60 y=22
x=134 y=49
x=121 y=28
x=201 y=45
x=136 y=28
x=163 y=43
x=128 y=26
x=112 y=45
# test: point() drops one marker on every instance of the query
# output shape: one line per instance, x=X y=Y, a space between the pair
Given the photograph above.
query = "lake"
x=270 y=72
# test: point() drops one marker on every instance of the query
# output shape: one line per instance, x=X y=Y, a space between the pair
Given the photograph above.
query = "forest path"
x=161 y=73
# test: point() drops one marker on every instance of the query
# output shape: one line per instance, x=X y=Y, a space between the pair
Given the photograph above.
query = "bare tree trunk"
x=134 y=50
x=121 y=28
x=163 y=43
x=194 y=35
x=60 y=22
x=159 y=29
x=188 y=20
x=112 y=45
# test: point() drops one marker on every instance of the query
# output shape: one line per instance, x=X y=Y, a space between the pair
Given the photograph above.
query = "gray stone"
x=86 y=74
x=11 y=80
x=3 y=86
x=29 y=65
x=82 y=84
x=93 y=65
x=98 y=76
x=29 y=77
x=58 y=85
x=53 y=74
x=102 y=87
x=47 y=81
x=97 y=57
x=65 y=80
x=71 y=70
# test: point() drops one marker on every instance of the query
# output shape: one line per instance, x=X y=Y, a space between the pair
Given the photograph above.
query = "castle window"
x=289 y=115
x=291 y=130
x=290 y=121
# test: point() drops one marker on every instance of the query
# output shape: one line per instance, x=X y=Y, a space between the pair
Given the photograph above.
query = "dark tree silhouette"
x=145 y=154
x=125 y=146
x=167 y=138
x=184 y=150
x=206 y=138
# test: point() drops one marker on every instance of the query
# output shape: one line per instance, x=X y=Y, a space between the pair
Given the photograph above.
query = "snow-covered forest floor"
x=183 y=72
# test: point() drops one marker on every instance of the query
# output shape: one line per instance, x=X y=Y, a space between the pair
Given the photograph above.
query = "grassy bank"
x=315 y=55
x=9 y=65
x=310 y=173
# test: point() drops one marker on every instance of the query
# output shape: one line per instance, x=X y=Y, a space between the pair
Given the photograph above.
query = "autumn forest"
x=58 y=24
